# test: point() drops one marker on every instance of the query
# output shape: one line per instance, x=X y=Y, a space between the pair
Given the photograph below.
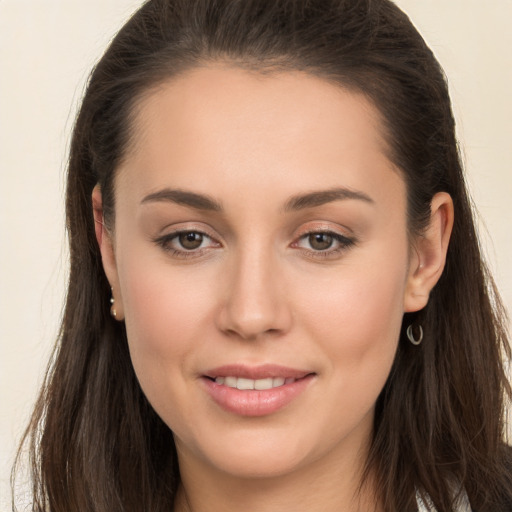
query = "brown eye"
x=324 y=244
x=190 y=240
x=320 y=241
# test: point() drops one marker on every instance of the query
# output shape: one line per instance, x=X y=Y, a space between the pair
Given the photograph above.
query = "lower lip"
x=255 y=402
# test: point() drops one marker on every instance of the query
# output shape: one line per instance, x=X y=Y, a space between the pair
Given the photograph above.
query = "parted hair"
x=96 y=444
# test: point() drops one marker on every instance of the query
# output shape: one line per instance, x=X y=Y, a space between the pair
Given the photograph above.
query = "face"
x=262 y=266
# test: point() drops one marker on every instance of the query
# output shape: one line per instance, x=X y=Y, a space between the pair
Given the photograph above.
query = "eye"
x=190 y=240
x=186 y=243
x=320 y=241
x=323 y=243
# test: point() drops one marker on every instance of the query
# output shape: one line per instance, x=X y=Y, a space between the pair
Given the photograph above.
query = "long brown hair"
x=95 y=442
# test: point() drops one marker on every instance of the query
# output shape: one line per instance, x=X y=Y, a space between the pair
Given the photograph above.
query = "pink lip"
x=256 y=372
x=256 y=402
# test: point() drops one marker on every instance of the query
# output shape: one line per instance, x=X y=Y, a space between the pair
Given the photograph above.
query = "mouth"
x=262 y=377
x=243 y=383
x=256 y=391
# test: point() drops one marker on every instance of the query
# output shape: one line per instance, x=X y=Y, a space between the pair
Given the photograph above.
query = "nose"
x=255 y=304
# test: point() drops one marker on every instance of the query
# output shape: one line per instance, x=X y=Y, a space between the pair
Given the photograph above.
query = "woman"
x=276 y=300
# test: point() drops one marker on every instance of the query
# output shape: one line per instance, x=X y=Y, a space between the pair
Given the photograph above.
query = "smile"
x=256 y=391
x=258 y=384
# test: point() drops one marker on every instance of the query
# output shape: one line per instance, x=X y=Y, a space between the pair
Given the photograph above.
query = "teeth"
x=258 y=384
x=245 y=383
x=263 y=383
x=230 y=381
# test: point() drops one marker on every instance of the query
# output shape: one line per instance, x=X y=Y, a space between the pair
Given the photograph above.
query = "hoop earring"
x=410 y=335
x=113 y=311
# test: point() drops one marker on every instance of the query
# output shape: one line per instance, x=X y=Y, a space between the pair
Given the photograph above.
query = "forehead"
x=217 y=126
x=258 y=98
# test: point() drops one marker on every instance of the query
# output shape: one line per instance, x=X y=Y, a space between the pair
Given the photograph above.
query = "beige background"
x=47 y=48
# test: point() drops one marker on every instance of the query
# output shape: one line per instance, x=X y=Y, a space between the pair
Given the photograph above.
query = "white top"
x=462 y=504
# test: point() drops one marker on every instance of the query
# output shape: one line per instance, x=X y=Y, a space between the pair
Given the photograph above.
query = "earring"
x=410 y=335
x=113 y=311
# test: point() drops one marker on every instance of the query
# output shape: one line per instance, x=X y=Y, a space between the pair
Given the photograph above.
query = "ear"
x=428 y=254
x=105 y=243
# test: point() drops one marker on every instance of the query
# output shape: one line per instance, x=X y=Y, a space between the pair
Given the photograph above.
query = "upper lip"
x=256 y=372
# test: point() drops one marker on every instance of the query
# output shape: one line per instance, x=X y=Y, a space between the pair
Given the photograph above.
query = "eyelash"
x=343 y=244
x=165 y=243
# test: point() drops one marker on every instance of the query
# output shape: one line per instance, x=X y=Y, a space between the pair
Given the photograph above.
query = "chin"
x=256 y=454
x=260 y=465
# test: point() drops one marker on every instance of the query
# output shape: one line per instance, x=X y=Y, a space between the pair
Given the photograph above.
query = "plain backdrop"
x=47 y=48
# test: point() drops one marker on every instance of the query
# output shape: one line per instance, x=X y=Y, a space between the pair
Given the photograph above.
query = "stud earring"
x=410 y=335
x=113 y=311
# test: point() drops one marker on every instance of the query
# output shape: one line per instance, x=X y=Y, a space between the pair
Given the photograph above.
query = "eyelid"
x=341 y=239
x=184 y=227
x=324 y=227
x=343 y=242
x=165 y=239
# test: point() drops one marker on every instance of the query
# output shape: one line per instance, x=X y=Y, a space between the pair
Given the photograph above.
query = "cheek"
x=166 y=311
x=168 y=320
x=356 y=314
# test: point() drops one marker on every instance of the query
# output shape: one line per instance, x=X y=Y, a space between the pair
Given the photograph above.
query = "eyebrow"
x=321 y=197
x=185 y=198
x=295 y=203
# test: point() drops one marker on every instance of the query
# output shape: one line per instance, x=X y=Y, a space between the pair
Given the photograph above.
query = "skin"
x=257 y=290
